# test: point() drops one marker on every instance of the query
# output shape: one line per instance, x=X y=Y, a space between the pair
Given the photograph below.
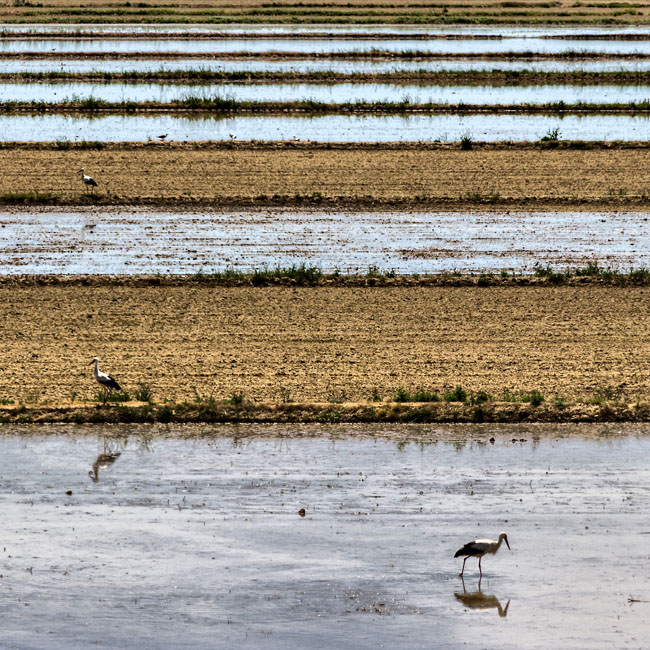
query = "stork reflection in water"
x=479 y=600
x=103 y=461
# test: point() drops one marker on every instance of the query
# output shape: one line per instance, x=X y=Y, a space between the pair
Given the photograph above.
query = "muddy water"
x=326 y=128
x=197 y=543
x=513 y=31
x=311 y=65
x=331 y=93
x=279 y=44
x=142 y=241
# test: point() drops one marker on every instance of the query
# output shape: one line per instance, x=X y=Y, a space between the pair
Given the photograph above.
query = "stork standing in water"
x=480 y=547
x=89 y=182
x=107 y=383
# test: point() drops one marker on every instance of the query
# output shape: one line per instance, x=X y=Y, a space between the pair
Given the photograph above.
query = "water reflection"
x=530 y=44
x=322 y=128
x=314 y=65
x=104 y=460
x=479 y=600
x=332 y=93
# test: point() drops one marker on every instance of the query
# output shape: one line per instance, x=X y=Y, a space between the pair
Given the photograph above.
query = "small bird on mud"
x=480 y=547
x=107 y=382
x=162 y=136
x=233 y=136
x=89 y=182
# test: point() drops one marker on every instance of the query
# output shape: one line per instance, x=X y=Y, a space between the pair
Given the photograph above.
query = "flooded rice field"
x=324 y=128
x=313 y=65
x=331 y=93
x=319 y=45
x=86 y=241
x=176 y=542
x=456 y=31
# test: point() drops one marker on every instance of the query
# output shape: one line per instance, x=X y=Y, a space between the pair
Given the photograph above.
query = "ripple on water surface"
x=178 y=537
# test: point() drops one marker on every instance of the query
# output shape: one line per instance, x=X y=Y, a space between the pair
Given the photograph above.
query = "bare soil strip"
x=79 y=34
x=598 y=176
x=423 y=77
x=362 y=55
x=337 y=12
x=223 y=106
x=323 y=344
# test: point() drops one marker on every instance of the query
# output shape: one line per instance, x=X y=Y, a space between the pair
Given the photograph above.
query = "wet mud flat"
x=139 y=241
x=177 y=541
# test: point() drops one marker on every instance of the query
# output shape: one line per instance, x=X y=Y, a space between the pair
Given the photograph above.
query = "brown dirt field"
x=363 y=176
x=479 y=11
x=326 y=343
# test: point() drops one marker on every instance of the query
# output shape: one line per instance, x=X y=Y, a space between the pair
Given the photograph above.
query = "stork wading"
x=107 y=382
x=480 y=547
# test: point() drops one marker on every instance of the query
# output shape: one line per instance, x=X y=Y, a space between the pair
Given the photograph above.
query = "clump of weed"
x=236 y=399
x=552 y=276
x=480 y=397
x=639 y=276
x=143 y=393
x=401 y=395
x=534 y=397
x=423 y=395
x=466 y=142
x=458 y=394
x=420 y=395
x=115 y=396
x=552 y=135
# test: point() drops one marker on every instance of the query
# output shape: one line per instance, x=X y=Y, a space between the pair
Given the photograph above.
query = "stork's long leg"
x=463 y=569
x=479 y=566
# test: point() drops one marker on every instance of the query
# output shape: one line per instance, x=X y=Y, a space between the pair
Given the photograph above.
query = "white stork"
x=89 y=182
x=233 y=136
x=480 y=547
x=162 y=136
x=105 y=381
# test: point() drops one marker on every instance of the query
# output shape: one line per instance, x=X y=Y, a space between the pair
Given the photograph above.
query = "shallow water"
x=142 y=241
x=311 y=65
x=523 y=31
x=360 y=44
x=326 y=128
x=181 y=542
x=331 y=93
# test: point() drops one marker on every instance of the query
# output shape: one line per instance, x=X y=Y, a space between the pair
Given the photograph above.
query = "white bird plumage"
x=480 y=547
x=105 y=381
x=88 y=181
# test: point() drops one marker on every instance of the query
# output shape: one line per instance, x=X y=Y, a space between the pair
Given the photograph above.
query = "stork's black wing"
x=468 y=549
x=109 y=382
